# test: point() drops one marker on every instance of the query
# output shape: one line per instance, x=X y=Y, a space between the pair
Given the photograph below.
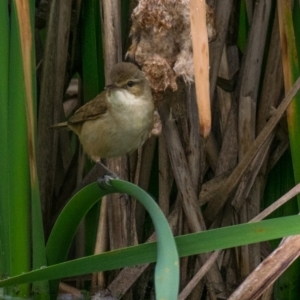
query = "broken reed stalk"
x=269 y=270
x=201 y=63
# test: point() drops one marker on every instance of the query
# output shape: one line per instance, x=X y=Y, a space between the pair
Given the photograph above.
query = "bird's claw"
x=105 y=181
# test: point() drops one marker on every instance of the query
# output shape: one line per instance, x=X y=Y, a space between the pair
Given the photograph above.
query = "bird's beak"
x=110 y=86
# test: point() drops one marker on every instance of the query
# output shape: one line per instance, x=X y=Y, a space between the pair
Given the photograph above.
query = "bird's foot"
x=105 y=180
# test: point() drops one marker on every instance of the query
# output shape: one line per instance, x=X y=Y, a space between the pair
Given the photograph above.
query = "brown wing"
x=94 y=109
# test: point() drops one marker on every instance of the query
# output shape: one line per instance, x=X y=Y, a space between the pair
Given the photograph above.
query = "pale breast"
x=136 y=113
x=125 y=127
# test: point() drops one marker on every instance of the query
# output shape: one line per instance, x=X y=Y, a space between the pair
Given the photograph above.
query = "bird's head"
x=127 y=76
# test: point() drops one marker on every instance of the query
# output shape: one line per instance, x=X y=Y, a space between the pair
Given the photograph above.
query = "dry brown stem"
x=183 y=179
x=50 y=106
x=269 y=270
x=223 y=192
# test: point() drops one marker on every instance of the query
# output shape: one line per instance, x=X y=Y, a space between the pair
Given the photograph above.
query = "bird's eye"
x=130 y=83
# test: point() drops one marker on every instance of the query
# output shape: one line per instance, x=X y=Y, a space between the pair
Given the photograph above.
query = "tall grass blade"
x=291 y=72
x=19 y=174
x=4 y=163
x=187 y=245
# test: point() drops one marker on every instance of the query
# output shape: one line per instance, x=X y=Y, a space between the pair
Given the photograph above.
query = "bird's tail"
x=60 y=125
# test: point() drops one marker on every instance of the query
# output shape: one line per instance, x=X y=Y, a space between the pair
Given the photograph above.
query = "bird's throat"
x=121 y=97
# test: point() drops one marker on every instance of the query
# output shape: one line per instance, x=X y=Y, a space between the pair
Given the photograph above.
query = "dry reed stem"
x=227 y=105
x=166 y=176
x=183 y=179
x=229 y=149
x=210 y=186
x=212 y=152
x=223 y=192
x=68 y=289
x=272 y=88
x=253 y=186
x=222 y=12
x=251 y=69
x=268 y=294
x=143 y=171
x=147 y=156
x=111 y=37
x=229 y=67
x=246 y=183
x=272 y=83
x=249 y=10
x=180 y=168
x=98 y=279
x=269 y=270
x=248 y=91
x=195 y=148
x=201 y=63
x=277 y=153
x=51 y=93
x=270 y=96
x=286 y=197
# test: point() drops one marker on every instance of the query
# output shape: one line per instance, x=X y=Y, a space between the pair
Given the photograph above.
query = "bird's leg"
x=107 y=170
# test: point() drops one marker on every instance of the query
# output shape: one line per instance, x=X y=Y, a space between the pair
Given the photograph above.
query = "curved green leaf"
x=167 y=267
x=67 y=223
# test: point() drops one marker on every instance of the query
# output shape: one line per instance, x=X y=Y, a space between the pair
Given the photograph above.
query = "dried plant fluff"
x=161 y=41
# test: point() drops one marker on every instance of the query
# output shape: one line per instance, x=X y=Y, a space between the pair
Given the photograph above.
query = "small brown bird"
x=119 y=119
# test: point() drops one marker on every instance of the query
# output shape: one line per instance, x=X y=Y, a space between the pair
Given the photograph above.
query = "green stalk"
x=243 y=27
x=25 y=13
x=280 y=180
x=19 y=177
x=4 y=164
x=286 y=287
x=291 y=73
x=92 y=54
